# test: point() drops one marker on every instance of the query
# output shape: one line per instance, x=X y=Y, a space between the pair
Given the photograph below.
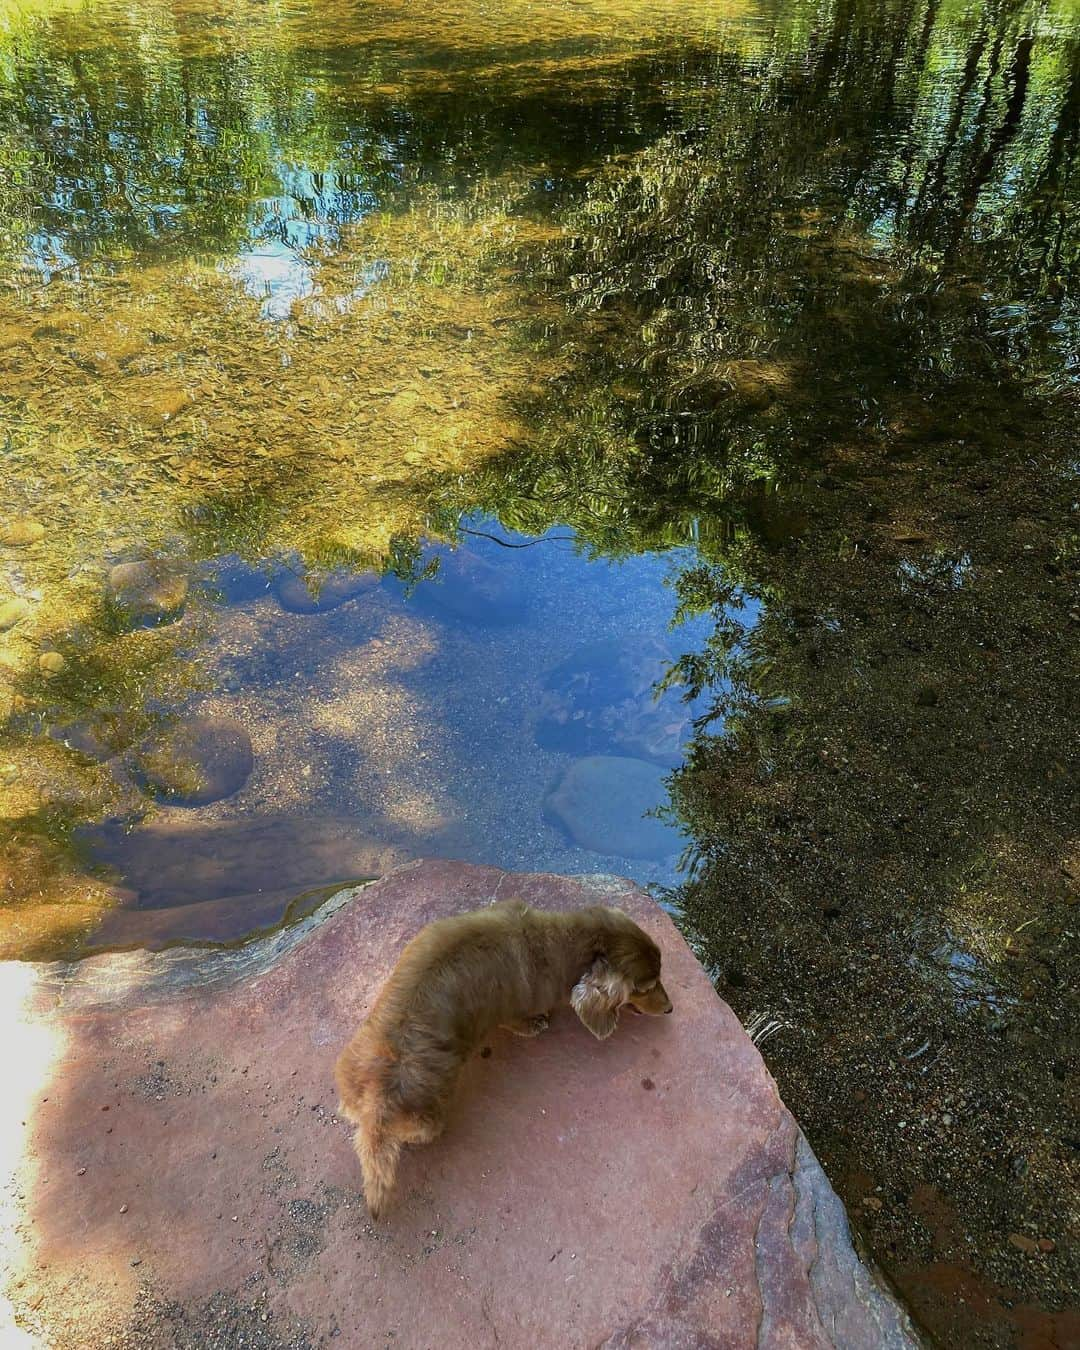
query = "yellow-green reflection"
x=161 y=402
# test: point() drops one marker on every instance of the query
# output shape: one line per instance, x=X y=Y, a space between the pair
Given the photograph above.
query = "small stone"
x=872 y=1202
x=61 y=324
x=1023 y=1243
x=229 y=580
x=51 y=664
x=94 y=361
x=404 y=404
x=81 y=1172
x=749 y=384
x=123 y=1209
x=1047 y=1244
x=12 y=611
x=145 y=594
x=21 y=532
x=86 y=738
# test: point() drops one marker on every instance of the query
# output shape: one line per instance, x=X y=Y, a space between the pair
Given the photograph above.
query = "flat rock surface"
x=181 y=1177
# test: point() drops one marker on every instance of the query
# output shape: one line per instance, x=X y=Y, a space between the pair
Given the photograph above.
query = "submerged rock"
x=469 y=588
x=601 y=801
x=315 y=592
x=51 y=665
x=200 y=761
x=227 y=919
x=12 y=611
x=600 y=699
x=21 y=532
x=101 y=736
x=167 y=403
x=83 y=738
x=647 y=1190
x=147 y=593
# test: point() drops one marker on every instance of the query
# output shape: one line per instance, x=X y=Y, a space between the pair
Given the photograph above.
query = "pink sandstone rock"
x=185 y=1180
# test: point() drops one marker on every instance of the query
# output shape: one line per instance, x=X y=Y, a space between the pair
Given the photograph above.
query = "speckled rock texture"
x=185 y=1180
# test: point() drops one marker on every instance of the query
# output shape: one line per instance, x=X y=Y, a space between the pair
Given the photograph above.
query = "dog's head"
x=624 y=972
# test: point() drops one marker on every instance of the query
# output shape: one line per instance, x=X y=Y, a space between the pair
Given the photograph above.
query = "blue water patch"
x=498 y=705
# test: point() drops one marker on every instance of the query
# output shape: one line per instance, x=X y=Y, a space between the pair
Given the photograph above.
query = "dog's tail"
x=362 y=1076
x=378 y=1149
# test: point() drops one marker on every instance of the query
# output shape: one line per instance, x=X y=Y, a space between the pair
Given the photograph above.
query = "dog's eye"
x=649 y=984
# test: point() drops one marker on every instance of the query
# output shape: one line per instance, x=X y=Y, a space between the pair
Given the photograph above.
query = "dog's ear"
x=597 y=997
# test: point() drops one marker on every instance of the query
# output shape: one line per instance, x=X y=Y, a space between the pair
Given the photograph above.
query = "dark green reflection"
x=829 y=335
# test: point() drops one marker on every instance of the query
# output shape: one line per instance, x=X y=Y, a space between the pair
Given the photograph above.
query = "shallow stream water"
x=593 y=436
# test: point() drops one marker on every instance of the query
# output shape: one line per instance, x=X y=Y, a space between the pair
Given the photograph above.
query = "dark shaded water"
x=732 y=345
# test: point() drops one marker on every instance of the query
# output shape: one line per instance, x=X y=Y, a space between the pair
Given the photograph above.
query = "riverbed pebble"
x=147 y=593
x=12 y=611
x=21 y=532
x=51 y=665
x=314 y=593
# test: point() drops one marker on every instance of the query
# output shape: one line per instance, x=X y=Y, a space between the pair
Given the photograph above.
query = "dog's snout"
x=668 y=1009
x=654 y=1001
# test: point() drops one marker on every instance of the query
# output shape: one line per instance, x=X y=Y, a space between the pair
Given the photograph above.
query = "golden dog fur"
x=458 y=979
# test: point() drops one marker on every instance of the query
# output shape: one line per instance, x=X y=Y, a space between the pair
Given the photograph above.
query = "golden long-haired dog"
x=458 y=979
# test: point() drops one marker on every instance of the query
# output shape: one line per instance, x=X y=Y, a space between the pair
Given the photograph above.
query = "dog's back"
x=396 y=1075
x=458 y=979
